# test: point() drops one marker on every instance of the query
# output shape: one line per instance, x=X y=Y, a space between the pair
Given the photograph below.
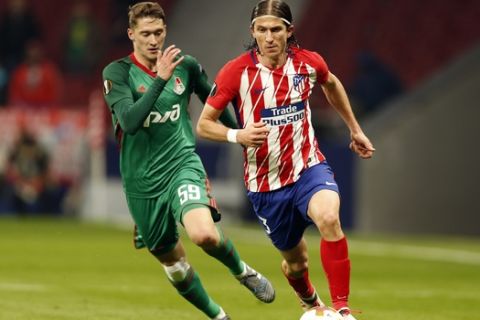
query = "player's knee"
x=297 y=266
x=328 y=221
x=178 y=271
x=205 y=239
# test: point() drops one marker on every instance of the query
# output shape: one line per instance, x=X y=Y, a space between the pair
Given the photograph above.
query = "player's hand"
x=361 y=145
x=167 y=61
x=253 y=135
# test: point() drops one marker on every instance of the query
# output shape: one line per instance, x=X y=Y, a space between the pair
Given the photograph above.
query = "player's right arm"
x=253 y=135
x=224 y=91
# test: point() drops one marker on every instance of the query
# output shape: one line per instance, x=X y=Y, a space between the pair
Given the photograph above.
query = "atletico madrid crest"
x=299 y=82
x=178 y=87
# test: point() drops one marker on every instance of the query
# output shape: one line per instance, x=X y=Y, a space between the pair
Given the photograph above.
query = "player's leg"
x=157 y=228
x=295 y=269
x=195 y=208
x=200 y=227
x=285 y=226
x=187 y=282
x=323 y=209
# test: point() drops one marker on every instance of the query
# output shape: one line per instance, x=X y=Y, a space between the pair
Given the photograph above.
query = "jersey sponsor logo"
x=156 y=117
x=283 y=115
x=299 y=82
x=107 y=86
x=178 y=87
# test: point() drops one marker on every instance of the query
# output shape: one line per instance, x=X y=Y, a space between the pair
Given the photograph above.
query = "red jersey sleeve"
x=316 y=61
x=225 y=87
x=321 y=68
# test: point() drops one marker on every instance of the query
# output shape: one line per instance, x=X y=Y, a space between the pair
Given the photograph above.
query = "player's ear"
x=252 y=30
x=130 y=34
x=290 y=30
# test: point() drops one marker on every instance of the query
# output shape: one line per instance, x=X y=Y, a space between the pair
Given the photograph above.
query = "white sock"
x=221 y=315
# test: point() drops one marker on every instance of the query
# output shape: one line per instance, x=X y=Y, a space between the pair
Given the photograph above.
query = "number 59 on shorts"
x=188 y=192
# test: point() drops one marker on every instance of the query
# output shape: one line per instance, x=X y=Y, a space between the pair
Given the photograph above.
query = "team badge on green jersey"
x=178 y=87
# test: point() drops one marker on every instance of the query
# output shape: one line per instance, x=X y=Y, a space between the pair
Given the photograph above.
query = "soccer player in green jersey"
x=163 y=178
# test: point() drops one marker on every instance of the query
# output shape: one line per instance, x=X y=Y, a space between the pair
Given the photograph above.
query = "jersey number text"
x=188 y=192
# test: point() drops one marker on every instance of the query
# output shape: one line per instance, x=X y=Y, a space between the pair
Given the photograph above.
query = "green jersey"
x=151 y=122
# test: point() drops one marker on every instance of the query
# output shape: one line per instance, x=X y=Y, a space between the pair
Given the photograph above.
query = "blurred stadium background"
x=411 y=68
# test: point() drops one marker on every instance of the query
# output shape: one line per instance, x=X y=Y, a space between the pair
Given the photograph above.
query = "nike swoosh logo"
x=330 y=183
x=258 y=91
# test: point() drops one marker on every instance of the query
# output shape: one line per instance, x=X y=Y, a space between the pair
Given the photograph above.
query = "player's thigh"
x=190 y=195
x=281 y=221
x=155 y=222
x=200 y=227
x=324 y=206
x=317 y=192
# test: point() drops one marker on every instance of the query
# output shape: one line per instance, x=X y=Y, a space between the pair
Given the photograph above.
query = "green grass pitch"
x=62 y=269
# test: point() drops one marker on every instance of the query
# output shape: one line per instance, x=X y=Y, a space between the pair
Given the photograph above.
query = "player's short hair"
x=142 y=10
x=276 y=8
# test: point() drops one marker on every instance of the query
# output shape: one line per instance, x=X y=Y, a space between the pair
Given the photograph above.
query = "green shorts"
x=156 y=218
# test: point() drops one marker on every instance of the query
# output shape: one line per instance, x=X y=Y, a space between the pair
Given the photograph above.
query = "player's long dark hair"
x=276 y=8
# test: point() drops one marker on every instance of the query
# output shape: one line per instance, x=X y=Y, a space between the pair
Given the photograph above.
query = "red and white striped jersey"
x=279 y=98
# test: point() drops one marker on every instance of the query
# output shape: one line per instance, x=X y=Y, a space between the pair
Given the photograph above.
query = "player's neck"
x=150 y=65
x=274 y=62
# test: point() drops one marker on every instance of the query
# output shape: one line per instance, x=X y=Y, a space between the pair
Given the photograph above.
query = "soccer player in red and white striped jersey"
x=289 y=182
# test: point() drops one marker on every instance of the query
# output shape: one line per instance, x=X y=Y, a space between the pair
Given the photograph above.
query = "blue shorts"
x=283 y=212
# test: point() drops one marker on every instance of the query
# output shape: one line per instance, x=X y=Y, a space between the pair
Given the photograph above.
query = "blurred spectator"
x=374 y=83
x=18 y=25
x=27 y=175
x=83 y=45
x=35 y=82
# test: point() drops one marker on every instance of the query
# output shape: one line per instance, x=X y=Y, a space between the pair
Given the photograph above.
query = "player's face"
x=148 y=38
x=271 y=35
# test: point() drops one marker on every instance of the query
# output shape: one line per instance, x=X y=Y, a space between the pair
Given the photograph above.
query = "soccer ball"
x=321 y=313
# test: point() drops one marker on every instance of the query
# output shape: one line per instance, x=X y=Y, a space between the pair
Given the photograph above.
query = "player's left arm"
x=337 y=97
x=202 y=89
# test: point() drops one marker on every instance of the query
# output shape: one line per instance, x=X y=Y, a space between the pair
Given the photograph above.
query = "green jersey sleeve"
x=227 y=119
x=202 y=89
x=118 y=95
